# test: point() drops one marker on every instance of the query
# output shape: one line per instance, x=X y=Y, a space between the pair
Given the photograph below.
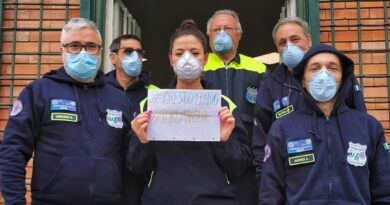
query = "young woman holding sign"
x=190 y=172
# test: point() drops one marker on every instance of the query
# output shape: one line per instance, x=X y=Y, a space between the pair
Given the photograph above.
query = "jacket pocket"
x=108 y=177
x=62 y=175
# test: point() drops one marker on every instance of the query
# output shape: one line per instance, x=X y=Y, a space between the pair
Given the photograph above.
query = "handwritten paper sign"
x=184 y=115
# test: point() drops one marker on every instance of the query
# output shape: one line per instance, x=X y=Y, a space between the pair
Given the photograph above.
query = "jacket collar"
x=61 y=75
x=236 y=58
x=281 y=73
x=283 y=76
x=143 y=80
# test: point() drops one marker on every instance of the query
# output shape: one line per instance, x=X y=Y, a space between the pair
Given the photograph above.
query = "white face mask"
x=188 y=67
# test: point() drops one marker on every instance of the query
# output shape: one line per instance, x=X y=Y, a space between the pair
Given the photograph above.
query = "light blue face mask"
x=323 y=85
x=223 y=42
x=292 y=55
x=82 y=66
x=132 y=64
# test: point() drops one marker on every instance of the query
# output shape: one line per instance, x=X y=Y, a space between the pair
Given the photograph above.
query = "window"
x=118 y=21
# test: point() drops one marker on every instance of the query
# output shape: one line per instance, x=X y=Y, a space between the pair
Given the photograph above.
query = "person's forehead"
x=187 y=41
x=224 y=20
x=290 y=29
x=82 y=35
x=130 y=43
x=324 y=58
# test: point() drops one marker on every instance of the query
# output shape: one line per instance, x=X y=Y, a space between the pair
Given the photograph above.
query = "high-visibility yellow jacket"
x=239 y=80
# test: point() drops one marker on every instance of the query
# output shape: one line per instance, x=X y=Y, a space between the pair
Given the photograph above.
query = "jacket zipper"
x=92 y=185
x=226 y=80
x=329 y=161
x=92 y=164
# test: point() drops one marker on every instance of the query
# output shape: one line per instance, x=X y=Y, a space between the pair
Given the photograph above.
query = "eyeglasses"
x=227 y=29
x=75 y=48
x=129 y=50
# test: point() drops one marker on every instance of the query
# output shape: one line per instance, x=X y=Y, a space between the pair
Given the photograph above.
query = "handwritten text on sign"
x=184 y=115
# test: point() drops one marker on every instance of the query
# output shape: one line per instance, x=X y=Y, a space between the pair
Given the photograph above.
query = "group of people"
x=297 y=135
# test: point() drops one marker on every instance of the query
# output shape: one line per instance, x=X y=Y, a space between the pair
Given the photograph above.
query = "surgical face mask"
x=223 y=42
x=292 y=55
x=188 y=67
x=132 y=64
x=82 y=66
x=323 y=85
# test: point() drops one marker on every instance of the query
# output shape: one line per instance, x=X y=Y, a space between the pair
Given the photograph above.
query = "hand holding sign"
x=140 y=125
x=186 y=115
x=227 y=123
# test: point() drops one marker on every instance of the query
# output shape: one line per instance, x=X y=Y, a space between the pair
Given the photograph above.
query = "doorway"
x=159 y=19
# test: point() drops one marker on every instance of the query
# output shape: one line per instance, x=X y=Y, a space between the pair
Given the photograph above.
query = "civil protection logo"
x=356 y=154
x=114 y=118
x=251 y=94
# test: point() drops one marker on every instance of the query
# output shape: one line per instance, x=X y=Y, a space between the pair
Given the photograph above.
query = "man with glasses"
x=76 y=126
x=239 y=77
x=126 y=56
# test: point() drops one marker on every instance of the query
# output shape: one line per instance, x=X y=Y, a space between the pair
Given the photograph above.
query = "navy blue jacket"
x=312 y=159
x=133 y=185
x=195 y=173
x=77 y=133
x=278 y=96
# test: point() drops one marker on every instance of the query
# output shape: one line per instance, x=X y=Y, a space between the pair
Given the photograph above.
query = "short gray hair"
x=303 y=24
x=227 y=12
x=77 y=24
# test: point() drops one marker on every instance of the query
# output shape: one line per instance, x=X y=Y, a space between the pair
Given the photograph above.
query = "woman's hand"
x=227 y=123
x=140 y=126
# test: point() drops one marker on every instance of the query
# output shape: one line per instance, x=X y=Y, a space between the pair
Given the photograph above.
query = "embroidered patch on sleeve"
x=357 y=87
x=16 y=108
x=386 y=146
x=267 y=152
